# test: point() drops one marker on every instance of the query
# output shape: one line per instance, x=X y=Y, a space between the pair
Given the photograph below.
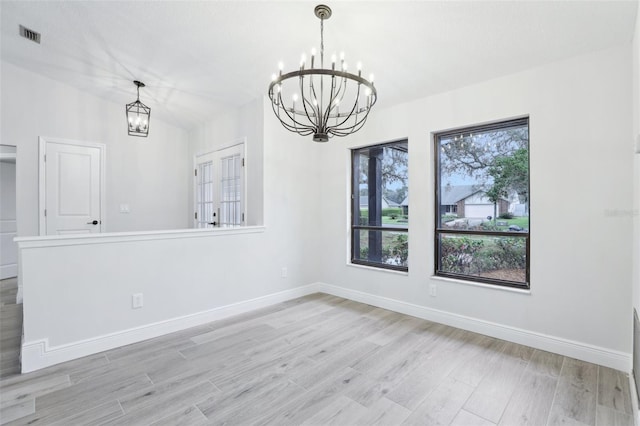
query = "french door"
x=219 y=188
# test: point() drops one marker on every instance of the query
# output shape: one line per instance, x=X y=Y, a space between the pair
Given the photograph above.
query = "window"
x=482 y=203
x=380 y=209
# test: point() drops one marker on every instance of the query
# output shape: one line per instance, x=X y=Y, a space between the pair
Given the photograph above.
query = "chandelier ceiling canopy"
x=319 y=101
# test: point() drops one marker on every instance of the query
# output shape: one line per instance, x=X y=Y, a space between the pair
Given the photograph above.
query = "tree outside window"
x=380 y=209
x=482 y=198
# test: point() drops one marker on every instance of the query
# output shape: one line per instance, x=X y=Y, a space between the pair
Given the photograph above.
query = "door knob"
x=213 y=223
x=95 y=222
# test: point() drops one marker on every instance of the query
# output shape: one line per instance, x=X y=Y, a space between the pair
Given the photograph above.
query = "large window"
x=380 y=209
x=482 y=203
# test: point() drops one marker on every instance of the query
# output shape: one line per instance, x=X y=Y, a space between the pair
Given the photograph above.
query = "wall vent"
x=30 y=34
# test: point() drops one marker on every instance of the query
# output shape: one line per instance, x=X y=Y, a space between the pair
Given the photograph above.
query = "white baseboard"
x=39 y=354
x=583 y=351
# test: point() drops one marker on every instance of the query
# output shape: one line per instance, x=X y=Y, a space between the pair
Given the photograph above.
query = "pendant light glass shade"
x=138 y=115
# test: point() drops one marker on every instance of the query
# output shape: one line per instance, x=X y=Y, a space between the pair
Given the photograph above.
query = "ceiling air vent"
x=30 y=34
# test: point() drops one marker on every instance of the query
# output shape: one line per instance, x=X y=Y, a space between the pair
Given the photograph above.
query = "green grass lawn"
x=522 y=222
x=399 y=220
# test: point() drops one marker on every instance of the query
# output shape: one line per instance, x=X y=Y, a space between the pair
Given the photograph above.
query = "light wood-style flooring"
x=10 y=328
x=320 y=360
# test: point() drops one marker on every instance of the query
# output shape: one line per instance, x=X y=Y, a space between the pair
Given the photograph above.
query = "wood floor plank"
x=96 y=416
x=318 y=359
x=190 y=416
x=476 y=368
x=308 y=404
x=259 y=398
x=576 y=394
x=394 y=330
x=289 y=365
x=546 y=363
x=465 y=418
x=161 y=401
x=232 y=330
x=342 y=411
x=13 y=410
x=531 y=400
x=453 y=349
x=377 y=361
x=442 y=405
x=613 y=390
x=34 y=387
x=340 y=341
x=383 y=412
x=490 y=398
x=58 y=405
x=309 y=378
x=606 y=416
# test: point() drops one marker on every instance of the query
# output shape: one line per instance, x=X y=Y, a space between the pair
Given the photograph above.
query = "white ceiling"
x=196 y=57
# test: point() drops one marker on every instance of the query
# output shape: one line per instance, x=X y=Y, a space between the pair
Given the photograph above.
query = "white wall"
x=150 y=174
x=184 y=278
x=581 y=178
x=635 y=137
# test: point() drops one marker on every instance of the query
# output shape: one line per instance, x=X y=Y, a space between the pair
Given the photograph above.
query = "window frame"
x=439 y=230
x=355 y=199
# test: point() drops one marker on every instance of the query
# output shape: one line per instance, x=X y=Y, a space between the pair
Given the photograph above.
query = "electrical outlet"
x=284 y=272
x=124 y=208
x=433 y=290
x=137 y=301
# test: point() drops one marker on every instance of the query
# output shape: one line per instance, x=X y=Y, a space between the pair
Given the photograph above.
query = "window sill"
x=483 y=285
x=373 y=268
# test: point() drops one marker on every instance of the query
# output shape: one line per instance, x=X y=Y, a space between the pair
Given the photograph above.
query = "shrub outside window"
x=380 y=206
x=482 y=203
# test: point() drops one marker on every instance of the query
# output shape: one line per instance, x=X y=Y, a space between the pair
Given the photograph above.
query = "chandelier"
x=322 y=102
x=138 y=115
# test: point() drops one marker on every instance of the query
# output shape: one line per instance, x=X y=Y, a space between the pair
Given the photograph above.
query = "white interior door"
x=8 y=224
x=220 y=188
x=206 y=214
x=73 y=186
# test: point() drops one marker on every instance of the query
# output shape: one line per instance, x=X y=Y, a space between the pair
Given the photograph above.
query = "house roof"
x=451 y=194
x=364 y=201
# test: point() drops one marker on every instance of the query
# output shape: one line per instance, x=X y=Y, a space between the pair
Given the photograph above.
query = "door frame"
x=194 y=186
x=42 y=187
x=11 y=269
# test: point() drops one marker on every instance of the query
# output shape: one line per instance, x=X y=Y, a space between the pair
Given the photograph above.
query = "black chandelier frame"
x=138 y=115
x=318 y=116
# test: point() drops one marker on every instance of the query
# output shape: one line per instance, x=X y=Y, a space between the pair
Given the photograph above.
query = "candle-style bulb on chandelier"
x=138 y=115
x=322 y=102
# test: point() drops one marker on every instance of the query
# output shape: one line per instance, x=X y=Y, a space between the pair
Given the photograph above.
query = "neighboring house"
x=469 y=201
x=364 y=203
x=405 y=206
